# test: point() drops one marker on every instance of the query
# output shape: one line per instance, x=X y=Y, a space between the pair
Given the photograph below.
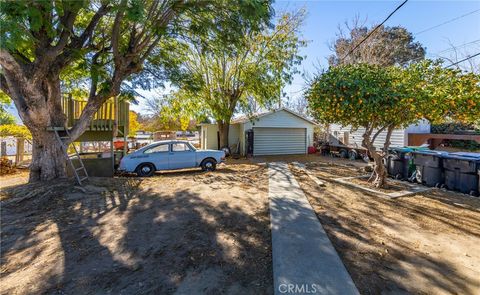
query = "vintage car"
x=170 y=155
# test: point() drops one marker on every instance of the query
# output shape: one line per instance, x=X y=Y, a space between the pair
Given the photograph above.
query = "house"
x=277 y=132
x=345 y=135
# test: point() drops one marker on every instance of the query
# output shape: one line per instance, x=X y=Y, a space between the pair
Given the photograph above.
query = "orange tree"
x=380 y=99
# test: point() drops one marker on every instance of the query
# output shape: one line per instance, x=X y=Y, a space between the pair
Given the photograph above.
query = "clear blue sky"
x=323 y=18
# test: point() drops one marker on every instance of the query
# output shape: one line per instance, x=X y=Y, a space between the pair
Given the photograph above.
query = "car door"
x=181 y=156
x=158 y=155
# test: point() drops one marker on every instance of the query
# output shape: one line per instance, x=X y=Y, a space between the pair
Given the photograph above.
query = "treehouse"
x=96 y=145
x=111 y=115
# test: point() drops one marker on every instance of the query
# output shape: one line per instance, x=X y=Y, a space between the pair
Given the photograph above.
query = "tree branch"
x=4 y=85
x=79 y=42
x=8 y=62
x=377 y=133
x=116 y=33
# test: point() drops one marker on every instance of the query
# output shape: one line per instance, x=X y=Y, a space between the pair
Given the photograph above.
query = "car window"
x=157 y=149
x=180 y=147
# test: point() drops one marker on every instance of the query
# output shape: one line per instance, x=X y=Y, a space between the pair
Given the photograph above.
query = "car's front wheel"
x=209 y=165
x=145 y=170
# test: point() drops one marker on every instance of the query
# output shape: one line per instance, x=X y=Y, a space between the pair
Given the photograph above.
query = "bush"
x=455 y=128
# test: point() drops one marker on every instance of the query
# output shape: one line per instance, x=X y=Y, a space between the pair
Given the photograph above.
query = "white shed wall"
x=208 y=137
x=210 y=140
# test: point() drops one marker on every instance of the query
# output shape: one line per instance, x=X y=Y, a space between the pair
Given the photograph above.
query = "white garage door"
x=279 y=141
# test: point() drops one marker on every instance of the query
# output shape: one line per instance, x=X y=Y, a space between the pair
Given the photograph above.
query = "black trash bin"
x=461 y=172
x=397 y=163
x=428 y=167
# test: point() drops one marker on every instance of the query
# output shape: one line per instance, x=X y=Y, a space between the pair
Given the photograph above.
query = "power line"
x=465 y=59
x=376 y=28
x=447 y=22
x=458 y=46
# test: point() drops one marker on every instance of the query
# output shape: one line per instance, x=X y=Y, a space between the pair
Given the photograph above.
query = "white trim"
x=258 y=116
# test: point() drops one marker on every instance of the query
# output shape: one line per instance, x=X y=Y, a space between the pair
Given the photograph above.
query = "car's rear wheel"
x=145 y=170
x=209 y=165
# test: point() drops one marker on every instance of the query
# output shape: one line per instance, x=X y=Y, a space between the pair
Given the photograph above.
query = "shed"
x=399 y=138
x=277 y=132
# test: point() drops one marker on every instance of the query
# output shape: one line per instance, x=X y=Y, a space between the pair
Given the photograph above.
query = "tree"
x=465 y=52
x=14 y=130
x=217 y=79
x=387 y=46
x=133 y=124
x=5 y=116
x=380 y=99
x=98 y=44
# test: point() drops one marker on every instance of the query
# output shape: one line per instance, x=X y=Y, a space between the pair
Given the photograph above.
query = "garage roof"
x=245 y=119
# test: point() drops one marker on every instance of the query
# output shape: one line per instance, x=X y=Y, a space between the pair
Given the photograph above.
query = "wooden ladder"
x=80 y=172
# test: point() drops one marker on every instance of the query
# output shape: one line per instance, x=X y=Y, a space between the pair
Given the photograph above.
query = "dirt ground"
x=19 y=177
x=183 y=232
x=190 y=232
x=422 y=244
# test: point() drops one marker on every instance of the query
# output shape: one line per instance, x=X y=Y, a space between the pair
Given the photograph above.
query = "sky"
x=324 y=17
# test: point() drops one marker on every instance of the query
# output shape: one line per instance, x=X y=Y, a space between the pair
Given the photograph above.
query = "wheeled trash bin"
x=399 y=161
x=461 y=172
x=428 y=167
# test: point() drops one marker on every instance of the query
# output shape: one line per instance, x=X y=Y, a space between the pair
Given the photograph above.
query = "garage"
x=275 y=132
x=279 y=141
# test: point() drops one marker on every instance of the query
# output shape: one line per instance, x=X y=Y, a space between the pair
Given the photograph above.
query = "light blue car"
x=170 y=155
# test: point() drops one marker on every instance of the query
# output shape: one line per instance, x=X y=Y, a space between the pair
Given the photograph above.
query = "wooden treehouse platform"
x=102 y=126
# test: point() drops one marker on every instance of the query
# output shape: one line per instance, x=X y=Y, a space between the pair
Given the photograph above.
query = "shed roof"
x=245 y=119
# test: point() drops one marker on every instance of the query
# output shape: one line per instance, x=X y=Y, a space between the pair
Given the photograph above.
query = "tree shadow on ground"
x=119 y=237
x=379 y=261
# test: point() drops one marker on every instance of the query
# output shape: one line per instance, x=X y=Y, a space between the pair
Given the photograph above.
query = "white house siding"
x=399 y=137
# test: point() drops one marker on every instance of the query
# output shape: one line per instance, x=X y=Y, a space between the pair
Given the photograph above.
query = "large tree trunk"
x=223 y=129
x=38 y=102
x=37 y=98
x=48 y=159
